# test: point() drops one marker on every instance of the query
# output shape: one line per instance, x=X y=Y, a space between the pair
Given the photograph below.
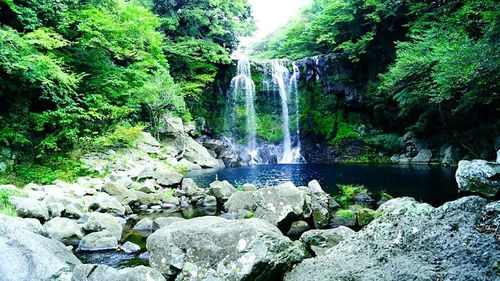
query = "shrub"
x=347 y=193
x=6 y=207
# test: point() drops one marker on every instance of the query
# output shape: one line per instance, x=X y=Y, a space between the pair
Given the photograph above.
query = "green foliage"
x=346 y=214
x=269 y=128
x=169 y=192
x=346 y=194
x=344 y=131
x=121 y=136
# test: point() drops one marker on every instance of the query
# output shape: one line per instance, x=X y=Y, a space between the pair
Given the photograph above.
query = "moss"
x=365 y=216
x=345 y=214
x=347 y=193
x=169 y=192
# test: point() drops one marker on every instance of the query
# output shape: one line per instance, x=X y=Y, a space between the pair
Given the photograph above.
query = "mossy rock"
x=344 y=217
x=365 y=216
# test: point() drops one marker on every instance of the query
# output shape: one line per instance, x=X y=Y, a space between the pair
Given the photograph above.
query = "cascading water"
x=241 y=86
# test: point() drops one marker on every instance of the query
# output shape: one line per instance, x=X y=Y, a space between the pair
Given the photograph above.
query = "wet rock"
x=319 y=204
x=230 y=158
x=213 y=248
x=279 y=205
x=344 y=218
x=412 y=241
x=30 y=208
x=146 y=224
x=65 y=230
x=129 y=247
x=94 y=221
x=450 y=156
x=319 y=241
x=478 y=176
x=27 y=256
x=297 y=228
x=98 y=241
x=221 y=190
x=208 y=202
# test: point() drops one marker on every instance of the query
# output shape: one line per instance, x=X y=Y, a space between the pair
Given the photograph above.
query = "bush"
x=6 y=207
x=347 y=193
x=344 y=131
x=121 y=136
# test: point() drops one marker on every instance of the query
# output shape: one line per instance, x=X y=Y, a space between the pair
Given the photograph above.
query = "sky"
x=271 y=14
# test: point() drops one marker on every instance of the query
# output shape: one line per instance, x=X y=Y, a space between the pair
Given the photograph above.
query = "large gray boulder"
x=478 y=176
x=423 y=157
x=13 y=224
x=221 y=190
x=120 y=192
x=414 y=241
x=93 y=222
x=280 y=205
x=98 y=241
x=103 y=202
x=166 y=177
x=30 y=208
x=65 y=230
x=27 y=256
x=319 y=203
x=93 y=272
x=213 y=248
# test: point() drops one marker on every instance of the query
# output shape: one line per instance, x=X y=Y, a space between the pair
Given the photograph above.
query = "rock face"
x=213 y=248
x=478 y=176
x=279 y=205
x=414 y=241
x=27 y=256
x=423 y=157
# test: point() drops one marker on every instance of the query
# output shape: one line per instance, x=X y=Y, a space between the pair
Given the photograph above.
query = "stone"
x=188 y=165
x=164 y=221
x=280 y=205
x=248 y=187
x=129 y=247
x=188 y=188
x=171 y=125
x=145 y=224
x=344 y=218
x=230 y=158
x=30 y=208
x=478 y=176
x=413 y=241
x=221 y=190
x=498 y=156
x=450 y=156
x=74 y=210
x=55 y=209
x=148 y=186
x=93 y=222
x=103 y=202
x=98 y=241
x=208 y=201
x=297 y=228
x=13 y=224
x=364 y=199
x=65 y=230
x=319 y=204
x=365 y=216
x=166 y=177
x=27 y=256
x=319 y=241
x=120 y=192
x=423 y=157
x=93 y=272
x=213 y=248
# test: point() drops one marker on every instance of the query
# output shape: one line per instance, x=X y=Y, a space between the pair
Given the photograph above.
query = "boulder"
x=478 y=176
x=145 y=224
x=123 y=194
x=498 y=156
x=319 y=241
x=450 y=156
x=148 y=186
x=171 y=125
x=213 y=248
x=27 y=256
x=188 y=165
x=166 y=177
x=280 y=205
x=319 y=204
x=93 y=222
x=297 y=228
x=197 y=154
x=103 y=202
x=364 y=199
x=65 y=230
x=248 y=187
x=365 y=216
x=423 y=157
x=13 y=224
x=221 y=190
x=30 y=208
x=230 y=158
x=98 y=241
x=207 y=201
x=93 y=272
x=414 y=241
x=129 y=247
x=188 y=188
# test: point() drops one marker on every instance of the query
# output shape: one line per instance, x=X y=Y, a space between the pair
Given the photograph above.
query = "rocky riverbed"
x=146 y=221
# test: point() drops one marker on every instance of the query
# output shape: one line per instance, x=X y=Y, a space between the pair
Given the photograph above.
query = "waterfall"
x=286 y=85
x=241 y=86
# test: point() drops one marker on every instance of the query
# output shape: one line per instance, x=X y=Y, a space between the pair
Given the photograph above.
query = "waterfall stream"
x=279 y=83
